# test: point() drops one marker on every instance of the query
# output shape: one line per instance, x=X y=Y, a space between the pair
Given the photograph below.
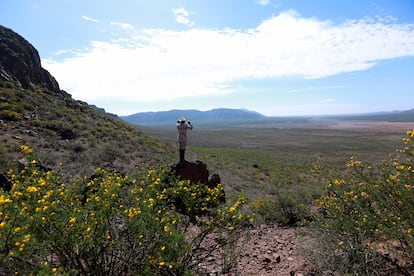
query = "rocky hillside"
x=20 y=63
x=63 y=132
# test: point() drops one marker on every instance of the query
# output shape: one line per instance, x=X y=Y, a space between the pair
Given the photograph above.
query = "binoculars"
x=178 y=122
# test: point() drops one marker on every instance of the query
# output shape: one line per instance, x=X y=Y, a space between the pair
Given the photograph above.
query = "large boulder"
x=196 y=172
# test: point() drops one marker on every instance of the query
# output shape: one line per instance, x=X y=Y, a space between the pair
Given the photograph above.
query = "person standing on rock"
x=182 y=128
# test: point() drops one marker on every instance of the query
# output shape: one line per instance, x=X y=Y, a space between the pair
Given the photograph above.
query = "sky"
x=276 y=57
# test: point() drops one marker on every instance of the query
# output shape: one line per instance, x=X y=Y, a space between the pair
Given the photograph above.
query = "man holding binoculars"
x=182 y=128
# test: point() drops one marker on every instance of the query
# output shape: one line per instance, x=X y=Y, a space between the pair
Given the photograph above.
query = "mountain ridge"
x=160 y=117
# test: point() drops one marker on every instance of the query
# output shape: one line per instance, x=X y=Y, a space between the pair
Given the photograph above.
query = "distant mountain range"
x=227 y=114
x=161 y=117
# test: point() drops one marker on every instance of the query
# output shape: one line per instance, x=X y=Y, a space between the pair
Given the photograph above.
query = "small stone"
x=278 y=259
x=267 y=260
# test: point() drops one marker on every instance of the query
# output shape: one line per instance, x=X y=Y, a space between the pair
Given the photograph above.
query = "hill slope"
x=163 y=117
x=35 y=112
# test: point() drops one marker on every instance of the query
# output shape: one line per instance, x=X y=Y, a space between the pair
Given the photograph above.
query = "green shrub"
x=111 y=224
x=77 y=147
x=7 y=84
x=283 y=209
x=63 y=129
x=263 y=209
x=287 y=204
x=9 y=115
x=36 y=123
x=367 y=216
x=109 y=153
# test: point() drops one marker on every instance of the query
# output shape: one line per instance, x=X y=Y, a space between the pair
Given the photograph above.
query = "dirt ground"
x=269 y=250
x=272 y=251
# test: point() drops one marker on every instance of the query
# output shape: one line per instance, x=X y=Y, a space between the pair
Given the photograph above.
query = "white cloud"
x=87 y=18
x=155 y=64
x=181 y=16
x=122 y=25
x=263 y=2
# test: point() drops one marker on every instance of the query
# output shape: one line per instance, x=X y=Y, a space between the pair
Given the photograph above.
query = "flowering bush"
x=107 y=224
x=367 y=215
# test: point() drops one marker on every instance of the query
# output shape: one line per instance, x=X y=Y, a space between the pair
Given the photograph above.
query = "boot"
x=182 y=153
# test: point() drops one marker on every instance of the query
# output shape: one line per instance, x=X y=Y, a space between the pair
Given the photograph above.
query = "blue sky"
x=277 y=57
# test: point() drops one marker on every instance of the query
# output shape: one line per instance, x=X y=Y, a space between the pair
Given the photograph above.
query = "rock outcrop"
x=20 y=63
x=196 y=172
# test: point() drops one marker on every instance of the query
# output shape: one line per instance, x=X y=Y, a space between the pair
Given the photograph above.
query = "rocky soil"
x=273 y=251
x=269 y=250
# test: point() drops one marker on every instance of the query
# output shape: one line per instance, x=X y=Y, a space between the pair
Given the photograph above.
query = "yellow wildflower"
x=17 y=229
x=152 y=260
x=27 y=238
x=25 y=149
x=32 y=189
x=4 y=199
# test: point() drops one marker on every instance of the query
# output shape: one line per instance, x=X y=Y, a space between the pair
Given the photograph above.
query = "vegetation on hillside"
x=64 y=131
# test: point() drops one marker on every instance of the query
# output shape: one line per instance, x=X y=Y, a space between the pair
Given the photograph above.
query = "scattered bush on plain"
x=366 y=221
